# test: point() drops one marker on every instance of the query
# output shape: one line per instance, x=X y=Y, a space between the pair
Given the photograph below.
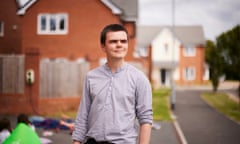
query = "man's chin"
x=118 y=57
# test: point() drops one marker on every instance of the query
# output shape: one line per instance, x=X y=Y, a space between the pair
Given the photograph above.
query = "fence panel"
x=61 y=78
x=12 y=73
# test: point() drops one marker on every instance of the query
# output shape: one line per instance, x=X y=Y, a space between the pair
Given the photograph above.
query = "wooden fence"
x=61 y=78
x=58 y=78
x=12 y=74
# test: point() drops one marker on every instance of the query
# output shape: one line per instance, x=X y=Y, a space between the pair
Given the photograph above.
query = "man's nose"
x=119 y=43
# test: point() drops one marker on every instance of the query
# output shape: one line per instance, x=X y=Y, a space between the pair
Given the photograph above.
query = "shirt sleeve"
x=144 y=100
x=80 y=126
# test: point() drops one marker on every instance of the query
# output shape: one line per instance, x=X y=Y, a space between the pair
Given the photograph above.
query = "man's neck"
x=114 y=65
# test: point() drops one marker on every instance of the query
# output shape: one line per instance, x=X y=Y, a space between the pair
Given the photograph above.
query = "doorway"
x=163 y=76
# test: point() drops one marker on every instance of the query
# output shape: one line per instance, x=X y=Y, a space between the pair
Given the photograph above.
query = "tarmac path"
x=200 y=123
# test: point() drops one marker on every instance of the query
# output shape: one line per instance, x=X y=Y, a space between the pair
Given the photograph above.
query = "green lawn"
x=161 y=109
x=222 y=103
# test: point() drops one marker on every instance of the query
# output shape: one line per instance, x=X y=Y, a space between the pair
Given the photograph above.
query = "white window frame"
x=189 y=73
x=189 y=51
x=1 y=28
x=56 y=17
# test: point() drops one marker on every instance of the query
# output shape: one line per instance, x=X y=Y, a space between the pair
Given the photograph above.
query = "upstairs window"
x=189 y=73
x=53 y=24
x=1 y=28
x=166 y=48
x=189 y=51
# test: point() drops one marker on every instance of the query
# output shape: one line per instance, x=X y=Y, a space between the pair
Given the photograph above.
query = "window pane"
x=43 y=23
x=1 y=28
x=189 y=73
x=189 y=50
x=62 y=24
x=52 y=24
x=166 y=47
x=186 y=73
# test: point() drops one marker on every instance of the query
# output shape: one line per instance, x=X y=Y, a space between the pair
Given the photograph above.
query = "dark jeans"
x=93 y=141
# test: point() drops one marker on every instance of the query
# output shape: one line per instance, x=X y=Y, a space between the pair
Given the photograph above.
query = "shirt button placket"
x=109 y=91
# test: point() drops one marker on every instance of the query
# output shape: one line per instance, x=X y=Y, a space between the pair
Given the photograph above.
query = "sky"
x=215 y=16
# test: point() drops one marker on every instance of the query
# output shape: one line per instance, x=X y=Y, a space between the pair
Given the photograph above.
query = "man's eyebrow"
x=124 y=40
x=115 y=40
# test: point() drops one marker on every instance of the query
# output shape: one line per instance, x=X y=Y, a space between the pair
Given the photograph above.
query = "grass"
x=62 y=114
x=222 y=103
x=161 y=105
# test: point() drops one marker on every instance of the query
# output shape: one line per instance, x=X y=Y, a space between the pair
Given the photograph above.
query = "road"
x=200 y=123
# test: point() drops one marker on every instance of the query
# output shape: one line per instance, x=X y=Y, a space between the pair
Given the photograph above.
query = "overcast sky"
x=216 y=16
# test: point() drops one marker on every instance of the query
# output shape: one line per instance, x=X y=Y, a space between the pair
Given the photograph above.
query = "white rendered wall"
x=159 y=52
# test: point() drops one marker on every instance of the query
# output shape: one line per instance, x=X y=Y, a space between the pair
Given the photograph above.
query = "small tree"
x=215 y=62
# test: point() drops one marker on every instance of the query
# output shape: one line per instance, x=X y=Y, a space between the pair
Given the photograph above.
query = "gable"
x=188 y=35
x=165 y=35
x=162 y=46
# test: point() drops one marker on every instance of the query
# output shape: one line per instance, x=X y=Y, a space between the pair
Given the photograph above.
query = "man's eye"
x=113 y=41
x=123 y=41
x=116 y=41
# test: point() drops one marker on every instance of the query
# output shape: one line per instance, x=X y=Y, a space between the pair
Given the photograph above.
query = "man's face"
x=116 y=45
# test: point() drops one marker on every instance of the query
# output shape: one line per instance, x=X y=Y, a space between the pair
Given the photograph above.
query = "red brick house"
x=52 y=29
x=179 y=50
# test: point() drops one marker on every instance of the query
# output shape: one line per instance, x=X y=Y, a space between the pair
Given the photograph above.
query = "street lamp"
x=173 y=94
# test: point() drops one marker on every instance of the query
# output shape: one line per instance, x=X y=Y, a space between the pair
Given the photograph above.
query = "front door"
x=163 y=76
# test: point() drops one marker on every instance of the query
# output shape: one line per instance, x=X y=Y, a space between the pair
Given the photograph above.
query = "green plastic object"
x=23 y=134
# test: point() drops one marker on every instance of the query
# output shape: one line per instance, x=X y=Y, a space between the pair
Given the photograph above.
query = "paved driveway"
x=200 y=123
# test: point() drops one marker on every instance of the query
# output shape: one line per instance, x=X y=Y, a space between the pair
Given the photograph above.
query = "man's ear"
x=103 y=47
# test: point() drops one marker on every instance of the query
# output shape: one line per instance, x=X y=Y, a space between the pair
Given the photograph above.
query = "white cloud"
x=216 y=16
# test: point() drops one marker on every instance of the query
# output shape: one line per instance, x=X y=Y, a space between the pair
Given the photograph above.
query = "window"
x=189 y=73
x=1 y=29
x=166 y=48
x=53 y=23
x=189 y=51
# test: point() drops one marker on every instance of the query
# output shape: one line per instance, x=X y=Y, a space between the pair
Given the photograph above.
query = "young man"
x=114 y=95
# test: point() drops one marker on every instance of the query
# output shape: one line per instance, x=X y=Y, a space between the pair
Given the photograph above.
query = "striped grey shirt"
x=110 y=104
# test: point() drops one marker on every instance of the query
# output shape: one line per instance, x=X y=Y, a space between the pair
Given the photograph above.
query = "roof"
x=23 y=5
x=126 y=9
x=192 y=35
x=129 y=9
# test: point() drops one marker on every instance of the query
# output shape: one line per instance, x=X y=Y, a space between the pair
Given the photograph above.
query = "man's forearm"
x=145 y=133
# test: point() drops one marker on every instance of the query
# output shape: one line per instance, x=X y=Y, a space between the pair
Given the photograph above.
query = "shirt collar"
x=123 y=67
